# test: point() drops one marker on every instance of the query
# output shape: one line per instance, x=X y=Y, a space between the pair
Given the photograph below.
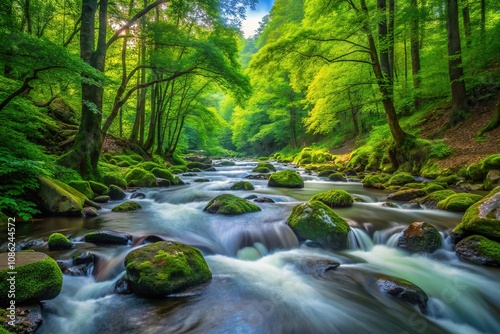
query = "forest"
x=381 y=115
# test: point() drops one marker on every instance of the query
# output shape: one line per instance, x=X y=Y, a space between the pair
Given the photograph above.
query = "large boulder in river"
x=492 y=179
x=37 y=278
x=482 y=218
x=420 y=237
x=227 y=204
x=401 y=178
x=127 y=206
x=314 y=220
x=458 y=202
x=57 y=198
x=138 y=177
x=59 y=241
x=334 y=198
x=433 y=198
x=165 y=267
x=242 y=185
x=406 y=195
x=480 y=250
x=403 y=290
x=116 y=193
x=108 y=237
x=286 y=179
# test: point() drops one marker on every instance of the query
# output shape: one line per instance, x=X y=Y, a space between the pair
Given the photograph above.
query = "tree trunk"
x=28 y=16
x=384 y=42
x=392 y=69
x=293 y=127
x=459 y=107
x=415 y=53
x=483 y=17
x=494 y=123
x=466 y=18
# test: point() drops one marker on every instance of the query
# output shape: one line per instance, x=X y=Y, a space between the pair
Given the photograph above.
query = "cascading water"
x=264 y=281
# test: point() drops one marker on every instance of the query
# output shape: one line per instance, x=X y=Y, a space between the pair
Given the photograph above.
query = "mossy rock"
x=164 y=174
x=196 y=164
x=136 y=157
x=402 y=290
x=375 y=181
x=261 y=170
x=98 y=188
x=58 y=241
x=114 y=179
x=482 y=218
x=401 y=178
x=285 y=179
x=432 y=187
x=458 y=202
x=334 y=198
x=149 y=166
x=305 y=161
x=165 y=267
x=267 y=165
x=415 y=185
x=227 y=163
x=123 y=164
x=126 y=158
x=315 y=221
x=478 y=172
x=194 y=170
x=83 y=187
x=480 y=250
x=38 y=278
x=492 y=180
x=336 y=176
x=450 y=179
x=177 y=171
x=242 y=185
x=420 y=237
x=127 y=206
x=433 y=198
x=108 y=237
x=102 y=199
x=138 y=177
x=183 y=168
x=56 y=197
x=323 y=173
x=116 y=193
x=406 y=195
x=227 y=204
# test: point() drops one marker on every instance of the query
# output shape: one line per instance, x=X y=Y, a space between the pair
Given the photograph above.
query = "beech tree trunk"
x=459 y=106
x=483 y=17
x=384 y=42
x=415 y=52
x=466 y=18
x=392 y=69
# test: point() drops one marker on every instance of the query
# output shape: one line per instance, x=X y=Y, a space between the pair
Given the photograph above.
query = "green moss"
x=336 y=176
x=227 y=163
x=285 y=179
x=83 y=187
x=164 y=174
x=430 y=170
x=59 y=241
x=126 y=158
x=149 y=166
x=400 y=178
x=432 y=187
x=263 y=170
x=116 y=193
x=488 y=248
x=38 y=277
x=433 y=198
x=316 y=221
x=263 y=166
x=375 y=181
x=115 y=178
x=165 y=267
x=138 y=177
x=57 y=197
x=415 y=185
x=242 y=185
x=195 y=164
x=136 y=157
x=450 y=179
x=123 y=164
x=98 y=188
x=177 y=171
x=182 y=168
x=127 y=206
x=458 y=202
x=334 y=198
x=227 y=204
x=478 y=172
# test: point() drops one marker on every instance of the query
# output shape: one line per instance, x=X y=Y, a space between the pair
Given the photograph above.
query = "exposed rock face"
x=263 y=200
x=37 y=274
x=420 y=237
x=286 y=179
x=480 y=250
x=492 y=179
x=165 y=267
x=227 y=204
x=102 y=199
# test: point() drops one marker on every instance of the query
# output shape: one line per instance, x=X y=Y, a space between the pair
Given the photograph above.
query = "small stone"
x=89 y=211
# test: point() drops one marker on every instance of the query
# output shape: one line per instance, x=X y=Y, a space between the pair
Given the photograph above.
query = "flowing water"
x=264 y=280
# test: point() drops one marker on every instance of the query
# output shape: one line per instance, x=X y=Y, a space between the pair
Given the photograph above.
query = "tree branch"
x=76 y=29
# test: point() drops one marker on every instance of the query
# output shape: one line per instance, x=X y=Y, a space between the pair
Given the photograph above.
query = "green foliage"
x=83 y=187
x=440 y=150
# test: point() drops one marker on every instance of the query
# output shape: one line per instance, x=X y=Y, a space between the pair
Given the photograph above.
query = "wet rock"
x=35 y=270
x=116 y=193
x=316 y=221
x=201 y=180
x=492 y=179
x=80 y=270
x=257 y=176
x=430 y=201
x=89 y=211
x=389 y=205
x=102 y=199
x=286 y=179
x=406 y=195
x=251 y=197
x=264 y=167
x=480 y=250
x=210 y=169
x=137 y=195
x=335 y=198
x=83 y=257
x=27 y=320
x=403 y=290
x=30 y=244
x=420 y=237
x=122 y=287
x=337 y=177
x=242 y=185
x=263 y=200
x=165 y=267
x=108 y=237
x=127 y=206
x=326 y=173
x=58 y=241
x=458 y=202
x=316 y=265
x=189 y=174
x=227 y=204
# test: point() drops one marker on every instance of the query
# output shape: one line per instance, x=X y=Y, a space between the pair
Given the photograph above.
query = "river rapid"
x=264 y=280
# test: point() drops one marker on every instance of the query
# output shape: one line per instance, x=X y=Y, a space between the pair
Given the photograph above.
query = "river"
x=264 y=281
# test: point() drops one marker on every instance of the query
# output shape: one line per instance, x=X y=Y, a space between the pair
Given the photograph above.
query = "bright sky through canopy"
x=251 y=24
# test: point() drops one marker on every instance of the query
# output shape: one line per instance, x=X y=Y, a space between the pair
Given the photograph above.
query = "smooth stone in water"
x=420 y=237
x=404 y=290
x=108 y=237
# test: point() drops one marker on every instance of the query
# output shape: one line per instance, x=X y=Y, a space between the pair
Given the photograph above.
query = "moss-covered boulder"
x=58 y=241
x=149 y=165
x=108 y=237
x=433 y=198
x=492 y=179
x=429 y=188
x=478 y=172
x=286 y=179
x=165 y=267
x=127 y=206
x=57 y=198
x=115 y=193
x=98 y=188
x=138 y=177
x=458 y=202
x=102 y=199
x=420 y=237
x=337 y=177
x=114 y=178
x=37 y=278
x=403 y=290
x=401 y=178
x=480 y=250
x=406 y=195
x=83 y=187
x=482 y=218
x=449 y=179
x=375 y=181
x=164 y=174
x=196 y=164
x=242 y=185
x=227 y=204
x=315 y=221
x=262 y=166
x=334 y=198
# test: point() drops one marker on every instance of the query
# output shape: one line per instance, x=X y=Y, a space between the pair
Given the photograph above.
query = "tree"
x=415 y=51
